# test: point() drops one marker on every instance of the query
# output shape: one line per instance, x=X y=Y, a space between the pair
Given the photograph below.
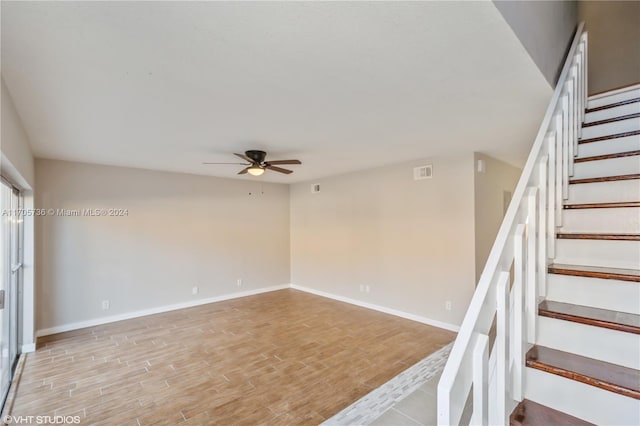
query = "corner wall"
x=411 y=242
x=545 y=29
x=14 y=144
x=614 y=37
x=179 y=231
x=491 y=188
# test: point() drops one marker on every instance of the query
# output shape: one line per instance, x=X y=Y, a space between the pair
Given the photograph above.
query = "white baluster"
x=565 y=148
x=585 y=39
x=542 y=226
x=578 y=121
x=581 y=96
x=444 y=404
x=551 y=211
x=531 y=287
x=502 y=323
x=481 y=381
x=558 y=169
x=572 y=126
x=517 y=358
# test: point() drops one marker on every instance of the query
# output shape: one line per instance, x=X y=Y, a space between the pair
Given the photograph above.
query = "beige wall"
x=411 y=241
x=545 y=29
x=416 y=244
x=614 y=43
x=181 y=231
x=489 y=188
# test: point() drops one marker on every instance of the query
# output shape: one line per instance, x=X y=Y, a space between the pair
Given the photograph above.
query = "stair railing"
x=485 y=369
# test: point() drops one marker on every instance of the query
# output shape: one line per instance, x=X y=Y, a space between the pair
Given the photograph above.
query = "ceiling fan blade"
x=284 y=162
x=242 y=164
x=244 y=171
x=278 y=169
x=244 y=157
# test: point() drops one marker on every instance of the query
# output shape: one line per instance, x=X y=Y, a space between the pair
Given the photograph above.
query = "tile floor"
x=411 y=394
x=418 y=408
x=409 y=399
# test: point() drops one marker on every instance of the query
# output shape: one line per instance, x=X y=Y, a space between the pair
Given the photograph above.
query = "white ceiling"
x=342 y=86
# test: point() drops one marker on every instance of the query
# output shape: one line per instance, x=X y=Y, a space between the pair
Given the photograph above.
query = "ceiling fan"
x=256 y=165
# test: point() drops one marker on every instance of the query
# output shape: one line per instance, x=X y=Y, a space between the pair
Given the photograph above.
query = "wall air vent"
x=423 y=172
x=315 y=188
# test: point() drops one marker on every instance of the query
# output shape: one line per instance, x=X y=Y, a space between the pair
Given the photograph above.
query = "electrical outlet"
x=447 y=305
x=367 y=289
x=105 y=305
x=239 y=282
x=195 y=290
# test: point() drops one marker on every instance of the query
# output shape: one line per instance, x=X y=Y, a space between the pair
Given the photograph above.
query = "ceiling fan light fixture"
x=256 y=171
x=256 y=166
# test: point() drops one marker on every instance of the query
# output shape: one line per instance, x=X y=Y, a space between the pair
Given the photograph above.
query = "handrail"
x=505 y=301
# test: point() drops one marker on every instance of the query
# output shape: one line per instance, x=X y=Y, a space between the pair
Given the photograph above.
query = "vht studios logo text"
x=42 y=420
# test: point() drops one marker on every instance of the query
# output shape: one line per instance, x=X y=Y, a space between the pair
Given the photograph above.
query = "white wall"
x=545 y=29
x=489 y=188
x=411 y=241
x=17 y=165
x=16 y=152
x=416 y=244
x=181 y=231
x=614 y=52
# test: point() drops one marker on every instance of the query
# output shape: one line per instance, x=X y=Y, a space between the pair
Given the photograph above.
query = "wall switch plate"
x=105 y=305
x=481 y=166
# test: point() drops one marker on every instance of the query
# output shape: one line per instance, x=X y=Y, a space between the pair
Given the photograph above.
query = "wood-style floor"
x=285 y=357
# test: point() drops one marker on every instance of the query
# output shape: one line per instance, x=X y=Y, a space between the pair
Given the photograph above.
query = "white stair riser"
x=580 y=400
x=621 y=348
x=609 y=146
x=605 y=253
x=613 y=97
x=607 y=129
x=608 y=167
x=613 y=295
x=603 y=192
x=618 y=111
x=624 y=220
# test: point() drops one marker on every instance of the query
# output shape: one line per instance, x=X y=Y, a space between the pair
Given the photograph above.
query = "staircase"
x=552 y=333
x=585 y=364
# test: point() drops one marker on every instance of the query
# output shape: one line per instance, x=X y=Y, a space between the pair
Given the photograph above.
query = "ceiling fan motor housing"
x=256 y=156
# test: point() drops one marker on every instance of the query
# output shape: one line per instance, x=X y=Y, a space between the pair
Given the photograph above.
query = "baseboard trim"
x=29 y=347
x=151 y=311
x=167 y=308
x=390 y=311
